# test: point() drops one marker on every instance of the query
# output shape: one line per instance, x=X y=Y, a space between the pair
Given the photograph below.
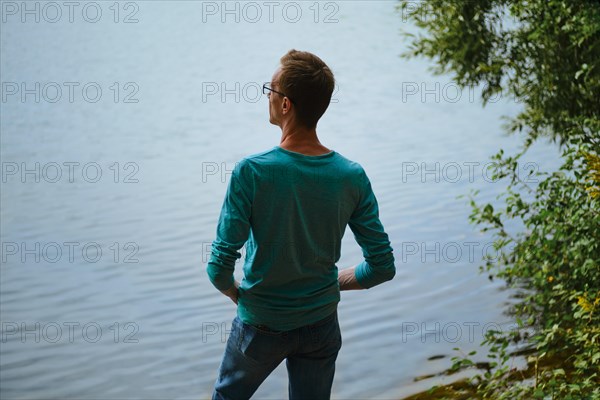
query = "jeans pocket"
x=327 y=335
x=257 y=346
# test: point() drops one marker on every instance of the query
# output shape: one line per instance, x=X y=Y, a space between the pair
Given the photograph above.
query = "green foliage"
x=542 y=53
x=558 y=257
x=545 y=54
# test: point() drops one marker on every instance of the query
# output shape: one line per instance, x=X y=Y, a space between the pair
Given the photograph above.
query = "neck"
x=294 y=135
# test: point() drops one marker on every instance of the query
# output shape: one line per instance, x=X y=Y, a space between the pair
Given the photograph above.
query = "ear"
x=286 y=106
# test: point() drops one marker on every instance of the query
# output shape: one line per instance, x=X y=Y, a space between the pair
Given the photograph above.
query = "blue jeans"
x=252 y=353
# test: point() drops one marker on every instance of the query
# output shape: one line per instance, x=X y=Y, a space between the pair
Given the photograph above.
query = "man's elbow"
x=386 y=268
x=387 y=273
x=221 y=278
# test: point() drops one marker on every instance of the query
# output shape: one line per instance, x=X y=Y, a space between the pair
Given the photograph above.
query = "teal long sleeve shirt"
x=291 y=211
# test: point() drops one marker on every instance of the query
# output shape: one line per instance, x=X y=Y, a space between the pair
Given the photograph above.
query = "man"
x=291 y=204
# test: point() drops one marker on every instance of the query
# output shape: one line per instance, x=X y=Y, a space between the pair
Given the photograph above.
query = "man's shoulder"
x=350 y=164
x=257 y=161
x=274 y=154
x=261 y=156
x=247 y=162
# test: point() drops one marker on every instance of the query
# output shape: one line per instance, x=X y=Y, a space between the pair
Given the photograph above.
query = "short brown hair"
x=308 y=82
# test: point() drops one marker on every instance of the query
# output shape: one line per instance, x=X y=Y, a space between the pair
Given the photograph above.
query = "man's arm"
x=364 y=222
x=347 y=279
x=232 y=232
x=232 y=292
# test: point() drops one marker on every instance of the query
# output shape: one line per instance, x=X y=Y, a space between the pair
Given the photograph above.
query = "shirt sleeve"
x=378 y=265
x=233 y=229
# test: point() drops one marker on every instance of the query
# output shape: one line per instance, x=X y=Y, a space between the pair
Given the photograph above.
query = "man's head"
x=305 y=85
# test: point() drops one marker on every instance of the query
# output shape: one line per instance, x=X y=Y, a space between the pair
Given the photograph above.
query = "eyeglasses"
x=266 y=89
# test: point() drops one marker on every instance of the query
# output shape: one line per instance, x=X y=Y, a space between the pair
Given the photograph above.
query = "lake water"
x=120 y=124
